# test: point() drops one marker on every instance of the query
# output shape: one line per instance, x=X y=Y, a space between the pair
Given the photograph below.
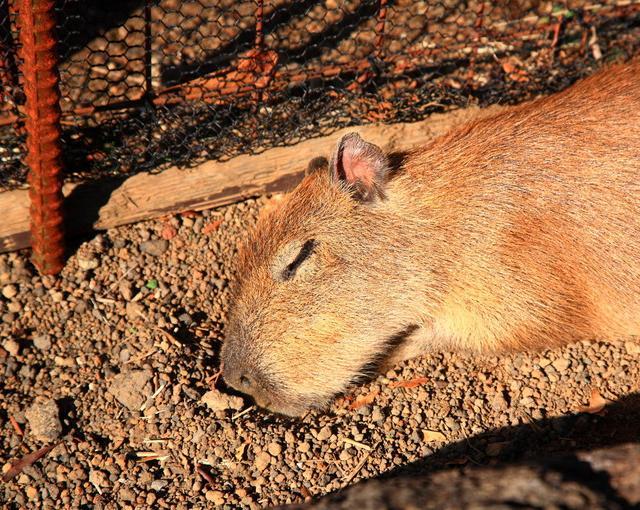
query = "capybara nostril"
x=245 y=381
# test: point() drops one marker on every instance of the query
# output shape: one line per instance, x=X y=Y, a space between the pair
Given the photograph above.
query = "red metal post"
x=36 y=27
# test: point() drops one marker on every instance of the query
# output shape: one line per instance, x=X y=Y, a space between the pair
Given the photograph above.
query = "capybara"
x=514 y=231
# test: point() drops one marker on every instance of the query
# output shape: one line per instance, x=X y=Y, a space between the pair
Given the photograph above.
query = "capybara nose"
x=246 y=382
x=236 y=378
x=239 y=377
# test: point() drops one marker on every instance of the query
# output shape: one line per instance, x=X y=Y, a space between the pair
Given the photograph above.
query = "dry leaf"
x=508 y=67
x=596 y=405
x=433 y=435
x=410 y=383
x=203 y=473
x=16 y=426
x=240 y=451
x=520 y=77
x=363 y=400
x=514 y=73
x=27 y=460
x=305 y=492
x=211 y=227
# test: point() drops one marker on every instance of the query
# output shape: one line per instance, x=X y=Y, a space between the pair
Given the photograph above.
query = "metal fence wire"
x=169 y=82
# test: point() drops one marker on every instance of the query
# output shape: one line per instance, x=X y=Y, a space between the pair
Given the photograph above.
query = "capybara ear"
x=362 y=166
x=317 y=164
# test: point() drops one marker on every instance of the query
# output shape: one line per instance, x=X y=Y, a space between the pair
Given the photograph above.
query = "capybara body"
x=516 y=231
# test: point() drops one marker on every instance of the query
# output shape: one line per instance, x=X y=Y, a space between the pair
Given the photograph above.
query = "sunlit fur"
x=516 y=231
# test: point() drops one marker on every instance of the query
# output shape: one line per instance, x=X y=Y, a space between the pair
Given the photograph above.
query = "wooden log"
x=107 y=204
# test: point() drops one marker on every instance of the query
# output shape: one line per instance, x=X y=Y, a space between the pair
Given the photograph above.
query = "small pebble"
x=262 y=460
x=87 y=264
x=11 y=346
x=215 y=497
x=9 y=291
x=154 y=247
x=561 y=364
x=218 y=401
x=44 y=419
x=130 y=388
x=14 y=307
x=42 y=342
x=274 y=449
x=324 y=434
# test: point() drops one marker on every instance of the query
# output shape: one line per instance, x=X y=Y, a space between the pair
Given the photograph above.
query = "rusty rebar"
x=8 y=66
x=42 y=121
x=258 y=45
x=259 y=40
x=380 y=25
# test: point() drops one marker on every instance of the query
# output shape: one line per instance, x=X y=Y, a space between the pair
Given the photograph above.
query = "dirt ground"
x=114 y=363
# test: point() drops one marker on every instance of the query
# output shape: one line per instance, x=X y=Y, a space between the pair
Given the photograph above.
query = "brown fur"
x=521 y=230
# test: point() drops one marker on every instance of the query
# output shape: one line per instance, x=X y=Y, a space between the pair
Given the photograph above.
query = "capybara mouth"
x=372 y=368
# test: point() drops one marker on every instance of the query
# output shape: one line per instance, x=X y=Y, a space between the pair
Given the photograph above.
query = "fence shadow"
x=599 y=453
x=619 y=424
x=82 y=209
x=573 y=461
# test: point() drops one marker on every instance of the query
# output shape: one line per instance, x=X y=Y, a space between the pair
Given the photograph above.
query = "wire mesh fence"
x=149 y=84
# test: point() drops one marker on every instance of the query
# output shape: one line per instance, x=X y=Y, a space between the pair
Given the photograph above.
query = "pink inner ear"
x=356 y=168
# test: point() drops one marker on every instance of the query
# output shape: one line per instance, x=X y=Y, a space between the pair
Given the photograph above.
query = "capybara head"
x=310 y=312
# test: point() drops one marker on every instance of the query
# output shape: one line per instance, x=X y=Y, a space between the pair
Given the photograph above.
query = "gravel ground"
x=114 y=364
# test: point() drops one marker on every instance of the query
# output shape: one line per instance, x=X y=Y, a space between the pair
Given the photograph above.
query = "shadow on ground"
x=576 y=461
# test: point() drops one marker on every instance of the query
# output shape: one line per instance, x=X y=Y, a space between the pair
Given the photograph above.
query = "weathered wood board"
x=103 y=205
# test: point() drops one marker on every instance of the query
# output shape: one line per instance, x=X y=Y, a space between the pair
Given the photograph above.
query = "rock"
x=262 y=460
x=134 y=310
x=31 y=492
x=11 y=346
x=56 y=296
x=129 y=388
x=324 y=434
x=98 y=478
x=377 y=415
x=304 y=447
x=158 y=485
x=632 y=347
x=154 y=247
x=218 y=401
x=561 y=364
x=42 y=342
x=274 y=449
x=498 y=402
x=9 y=291
x=215 y=497
x=44 y=419
x=126 y=290
x=14 y=307
x=87 y=264
x=186 y=319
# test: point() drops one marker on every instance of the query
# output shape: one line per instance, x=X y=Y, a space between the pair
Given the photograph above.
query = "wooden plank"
x=107 y=204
